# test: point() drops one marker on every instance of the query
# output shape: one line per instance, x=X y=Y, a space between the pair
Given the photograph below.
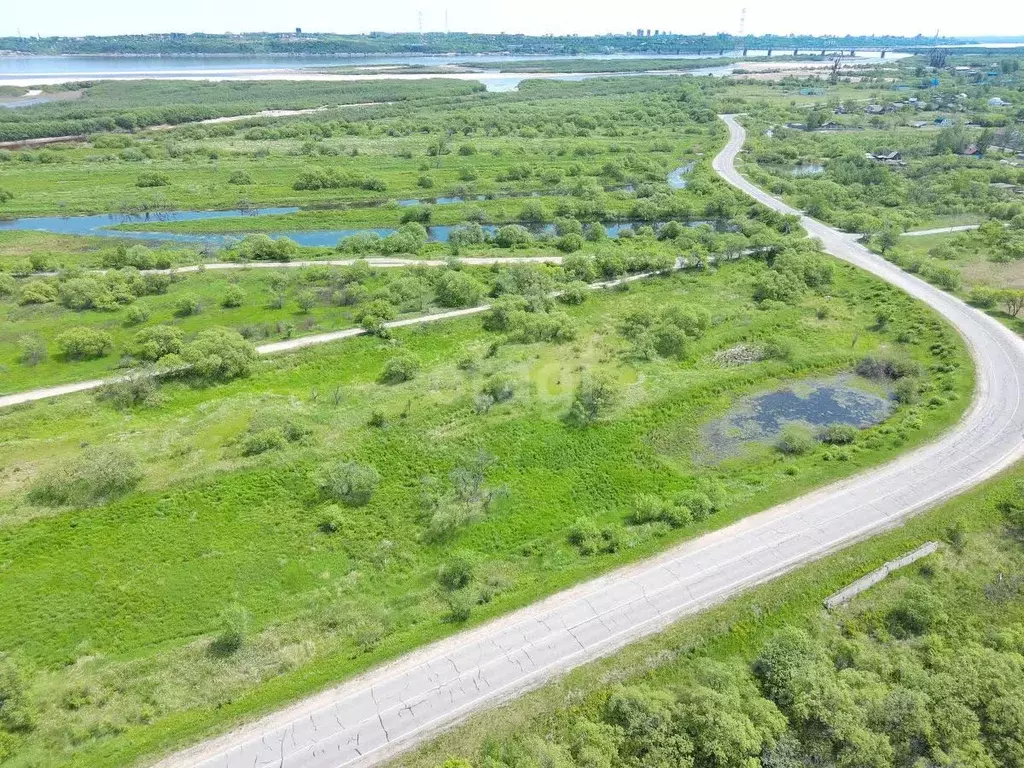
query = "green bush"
x=215 y=354
x=31 y=350
x=349 y=482
x=458 y=289
x=266 y=248
x=983 y=297
x=265 y=440
x=240 y=178
x=455 y=573
x=152 y=180
x=16 y=712
x=234 y=627
x=8 y=285
x=129 y=391
x=574 y=293
x=887 y=367
x=187 y=305
x=233 y=297
x=96 y=475
x=594 y=396
x=500 y=388
x=136 y=315
x=400 y=368
x=795 y=440
x=157 y=341
x=84 y=343
x=37 y=292
x=838 y=434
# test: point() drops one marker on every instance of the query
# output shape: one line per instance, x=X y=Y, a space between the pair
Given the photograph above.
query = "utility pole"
x=743 y=22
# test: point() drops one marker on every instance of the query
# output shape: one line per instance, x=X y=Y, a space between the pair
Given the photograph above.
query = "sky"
x=910 y=17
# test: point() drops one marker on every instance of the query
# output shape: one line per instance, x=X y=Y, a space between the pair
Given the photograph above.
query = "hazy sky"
x=910 y=17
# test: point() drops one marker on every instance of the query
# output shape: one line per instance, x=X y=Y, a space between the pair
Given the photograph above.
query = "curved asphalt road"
x=366 y=720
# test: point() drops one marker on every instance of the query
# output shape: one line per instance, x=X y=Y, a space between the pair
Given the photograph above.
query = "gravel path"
x=366 y=720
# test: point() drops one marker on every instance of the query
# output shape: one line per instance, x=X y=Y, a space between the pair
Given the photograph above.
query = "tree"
x=593 y=396
x=349 y=482
x=5 y=196
x=1013 y=300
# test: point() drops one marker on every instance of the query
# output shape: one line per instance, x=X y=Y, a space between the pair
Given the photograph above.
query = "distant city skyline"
x=110 y=17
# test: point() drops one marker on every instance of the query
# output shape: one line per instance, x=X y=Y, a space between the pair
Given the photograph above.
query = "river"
x=51 y=70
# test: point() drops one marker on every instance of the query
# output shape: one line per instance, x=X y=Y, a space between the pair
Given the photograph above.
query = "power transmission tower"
x=743 y=22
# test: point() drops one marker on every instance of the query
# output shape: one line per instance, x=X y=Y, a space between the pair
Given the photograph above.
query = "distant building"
x=995 y=101
x=889 y=158
x=298 y=30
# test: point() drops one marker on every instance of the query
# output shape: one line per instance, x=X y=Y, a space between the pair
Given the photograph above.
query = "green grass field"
x=183 y=553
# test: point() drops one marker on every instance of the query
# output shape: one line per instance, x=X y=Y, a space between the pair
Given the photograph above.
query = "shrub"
x=375 y=314
x=465 y=235
x=579 y=267
x=31 y=350
x=218 y=354
x=306 y=301
x=152 y=180
x=136 y=315
x=590 y=540
x=400 y=368
x=187 y=305
x=331 y=519
x=16 y=712
x=574 y=293
x=84 y=343
x=37 y=292
x=795 y=440
x=266 y=248
x=240 y=178
x=984 y=297
x=82 y=293
x=838 y=434
x=5 y=195
x=512 y=236
x=594 y=396
x=129 y=391
x=255 y=443
x=96 y=475
x=455 y=573
x=458 y=289
x=234 y=626
x=157 y=341
x=906 y=391
x=349 y=482
x=570 y=243
x=500 y=388
x=8 y=285
x=420 y=213
x=886 y=367
x=233 y=297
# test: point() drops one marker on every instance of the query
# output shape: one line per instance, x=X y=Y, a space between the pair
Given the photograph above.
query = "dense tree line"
x=436 y=42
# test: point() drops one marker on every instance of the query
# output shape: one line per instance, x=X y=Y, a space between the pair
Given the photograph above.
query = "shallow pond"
x=843 y=399
x=809 y=169
x=100 y=225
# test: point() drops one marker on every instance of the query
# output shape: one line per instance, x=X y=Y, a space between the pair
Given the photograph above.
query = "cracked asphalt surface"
x=366 y=720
